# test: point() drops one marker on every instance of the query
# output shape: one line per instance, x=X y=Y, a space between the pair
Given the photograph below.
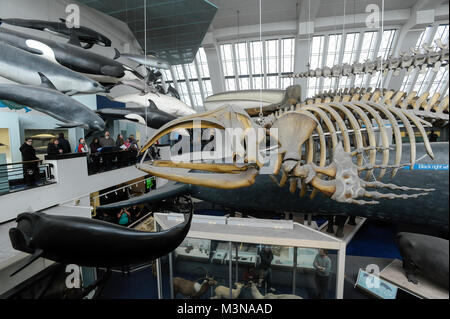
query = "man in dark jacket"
x=64 y=144
x=266 y=256
x=30 y=170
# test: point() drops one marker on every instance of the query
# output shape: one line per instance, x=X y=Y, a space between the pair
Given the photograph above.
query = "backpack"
x=123 y=220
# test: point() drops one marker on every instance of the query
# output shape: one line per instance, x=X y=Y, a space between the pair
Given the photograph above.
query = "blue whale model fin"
x=45 y=82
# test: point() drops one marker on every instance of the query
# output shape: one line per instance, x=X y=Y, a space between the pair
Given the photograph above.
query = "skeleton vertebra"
x=310 y=155
x=422 y=61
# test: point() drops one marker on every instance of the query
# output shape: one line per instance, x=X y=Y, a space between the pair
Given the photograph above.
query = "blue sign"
x=376 y=286
x=431 y=167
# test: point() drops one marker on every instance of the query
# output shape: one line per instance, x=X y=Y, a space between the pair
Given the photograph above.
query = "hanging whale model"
x=48 y=100
x=150 y=116
x=149 y=60
x=424 y=255
x=75 y=240
x=164 y=103
x=70 y=56
x=20 y=66
x=76 y=35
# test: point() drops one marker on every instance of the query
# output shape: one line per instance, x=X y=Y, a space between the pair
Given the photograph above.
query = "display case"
x=241 y=261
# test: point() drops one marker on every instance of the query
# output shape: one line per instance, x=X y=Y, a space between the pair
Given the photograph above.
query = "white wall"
x=72 y=182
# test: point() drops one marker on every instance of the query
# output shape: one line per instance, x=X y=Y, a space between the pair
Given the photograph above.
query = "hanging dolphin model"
x=165 y=103
x=23 y=67
x=75 y=240
x=149 y=60
x=150 y=116
x=70 y=56
x=48 y=100
x=76 y=35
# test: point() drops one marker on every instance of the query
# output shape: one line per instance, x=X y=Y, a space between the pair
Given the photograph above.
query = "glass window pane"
x=242 y=58
x=386 y=44
x=184 y=93
x=230 y=84
x=334 y=47
x=167 y=75
x=244 y=83
x=257 y=57
x=178 y=70
x=202 y=63
x=351 y=45
x=287 y=54
x=316 y=52
x=208 y=87
x=271 y=56
x=441 y=33
x=272 y=82
x=368 y=46
x=257 y=82
x=226 y=51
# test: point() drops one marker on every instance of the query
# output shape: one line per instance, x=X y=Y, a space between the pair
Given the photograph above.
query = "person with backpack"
x=124 y=217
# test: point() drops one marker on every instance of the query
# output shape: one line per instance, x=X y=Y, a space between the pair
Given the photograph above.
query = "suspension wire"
x=145 y=59
x=262 y=67
x=380 y=79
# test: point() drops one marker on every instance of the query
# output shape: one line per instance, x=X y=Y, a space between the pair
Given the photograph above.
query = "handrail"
x=24 y=162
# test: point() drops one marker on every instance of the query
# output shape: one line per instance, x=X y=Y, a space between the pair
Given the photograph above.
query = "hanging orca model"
x=150 y=116
x=70 y=56
x=149 y=60
x=76 y=35
x=23 y=67
x=48 y=100
x=424 y=255
x=91 y=243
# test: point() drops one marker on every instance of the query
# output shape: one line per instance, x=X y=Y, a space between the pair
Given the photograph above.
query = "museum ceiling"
x=173 y=29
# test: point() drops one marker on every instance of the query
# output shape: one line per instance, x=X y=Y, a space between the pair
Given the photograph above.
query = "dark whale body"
x=424 y=255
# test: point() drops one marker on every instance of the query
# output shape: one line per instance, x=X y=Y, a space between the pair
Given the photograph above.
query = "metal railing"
x=21 y=175
x=111 y=159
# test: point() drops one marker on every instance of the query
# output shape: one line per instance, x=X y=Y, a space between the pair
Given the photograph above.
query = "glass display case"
x=246 y=266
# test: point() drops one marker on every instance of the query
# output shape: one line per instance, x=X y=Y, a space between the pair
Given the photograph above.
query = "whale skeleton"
x=430 y=58
x=332 y=165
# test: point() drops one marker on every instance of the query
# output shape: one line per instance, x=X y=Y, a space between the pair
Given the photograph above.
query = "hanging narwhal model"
x=432 y=58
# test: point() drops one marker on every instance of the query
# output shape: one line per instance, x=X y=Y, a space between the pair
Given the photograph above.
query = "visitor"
x=433 y=137
x=94 y=146
x=53 y=147
x=64 y=144
x=119 y=141
x=249 y=274
x=30 y=170
x=322 y=265
x=82 y=147
x=265 y=269
x=107 y=140
x=127 y=143
x=135 y=212
x=124 y=217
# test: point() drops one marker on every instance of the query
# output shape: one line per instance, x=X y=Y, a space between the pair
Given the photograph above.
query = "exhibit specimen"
x=425 y=256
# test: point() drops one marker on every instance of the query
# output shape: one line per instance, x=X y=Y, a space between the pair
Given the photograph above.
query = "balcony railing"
x=13 y=176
